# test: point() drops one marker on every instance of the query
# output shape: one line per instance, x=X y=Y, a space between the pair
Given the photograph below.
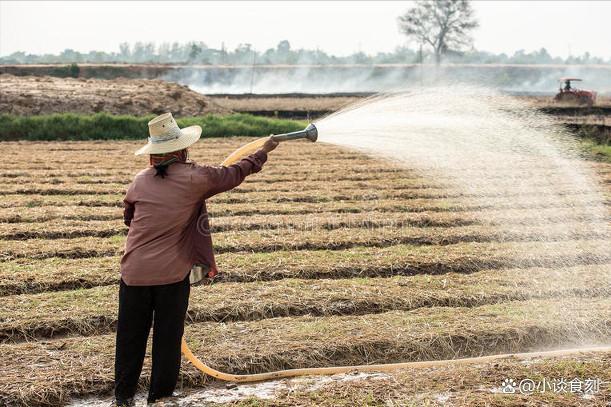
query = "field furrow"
x=336 y=239
x=93 y=311
x=222 y=145
x=325 y=193
x=72 y=228
x=27 y=275
x=310 y=181
x=263 y=179
x=12 y=210
x=39 y=214
x=287 y=181
x=77 y=366
x=316 y=156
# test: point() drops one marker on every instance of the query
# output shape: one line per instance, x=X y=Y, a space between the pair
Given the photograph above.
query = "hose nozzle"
x=310 y=132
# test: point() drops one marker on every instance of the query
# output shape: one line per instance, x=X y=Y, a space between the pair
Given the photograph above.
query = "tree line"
x=245 y=54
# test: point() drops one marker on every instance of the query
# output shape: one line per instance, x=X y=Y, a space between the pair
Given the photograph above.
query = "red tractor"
x=568 y=94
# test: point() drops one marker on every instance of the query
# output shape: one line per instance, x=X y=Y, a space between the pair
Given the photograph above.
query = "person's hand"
x=211 y=277
x=270 y=145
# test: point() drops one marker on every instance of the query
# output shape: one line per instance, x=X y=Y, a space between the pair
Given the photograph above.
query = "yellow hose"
x=244 y=151
x=243 y=378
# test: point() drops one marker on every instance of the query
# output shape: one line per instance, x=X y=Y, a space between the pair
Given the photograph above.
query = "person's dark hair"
x=161 y=162
x=162 y=169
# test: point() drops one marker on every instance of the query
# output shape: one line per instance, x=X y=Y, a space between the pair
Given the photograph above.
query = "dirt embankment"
x=300 y=104
x=97 y=71
x=43 y=95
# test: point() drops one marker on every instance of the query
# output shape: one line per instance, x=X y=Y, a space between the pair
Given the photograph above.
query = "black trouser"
x=139 y=306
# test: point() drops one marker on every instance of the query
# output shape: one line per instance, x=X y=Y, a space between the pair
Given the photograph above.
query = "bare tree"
x=442 y=24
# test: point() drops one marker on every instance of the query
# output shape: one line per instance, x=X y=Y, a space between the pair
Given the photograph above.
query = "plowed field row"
x=72 y=228
x=319 y=188
x=385 y=174
x=84 y=365
x=93 y=311
x=335 y=239
x=98 y=177
x=14 y=206
x=229 y=213
x=27 y=275
x=16 y=185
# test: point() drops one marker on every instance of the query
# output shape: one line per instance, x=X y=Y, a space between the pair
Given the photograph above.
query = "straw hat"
x=166 y=136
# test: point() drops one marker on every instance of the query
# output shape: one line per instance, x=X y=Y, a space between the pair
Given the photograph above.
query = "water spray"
x=463 y=134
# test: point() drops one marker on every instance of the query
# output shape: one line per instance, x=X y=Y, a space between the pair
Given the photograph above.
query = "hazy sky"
x=335 y=27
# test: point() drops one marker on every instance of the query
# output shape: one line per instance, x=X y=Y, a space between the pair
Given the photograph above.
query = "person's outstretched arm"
x=221 y=179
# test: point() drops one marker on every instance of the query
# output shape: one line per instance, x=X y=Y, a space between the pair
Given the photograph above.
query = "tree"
x=283 y=47
x=194 y=52
x=74 y=70
x=282 y=52
x=70 y=55
x=124 y=51
x=442 y=24
x=138 y=52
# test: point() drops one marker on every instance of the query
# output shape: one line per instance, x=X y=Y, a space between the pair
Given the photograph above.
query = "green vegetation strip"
x=93 y=311
x=598 y=149
x=101 y=126
x=76 y=366
x=27 y=275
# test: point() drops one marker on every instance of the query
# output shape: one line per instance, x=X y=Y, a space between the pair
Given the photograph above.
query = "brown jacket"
x=168 y=220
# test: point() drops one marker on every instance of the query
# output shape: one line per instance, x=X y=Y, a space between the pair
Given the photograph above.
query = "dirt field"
x=32 y=95
x=311 y=107
x=29 y=95
x=321 y=266
x=332 y=102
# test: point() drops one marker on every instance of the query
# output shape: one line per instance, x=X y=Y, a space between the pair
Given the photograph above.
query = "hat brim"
x=189 y=136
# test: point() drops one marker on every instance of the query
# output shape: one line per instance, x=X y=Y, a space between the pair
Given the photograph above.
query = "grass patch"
x=598 y=151
x=102 y=126
x=594 y=140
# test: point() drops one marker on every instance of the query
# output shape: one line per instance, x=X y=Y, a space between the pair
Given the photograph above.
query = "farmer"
x=168 y=236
